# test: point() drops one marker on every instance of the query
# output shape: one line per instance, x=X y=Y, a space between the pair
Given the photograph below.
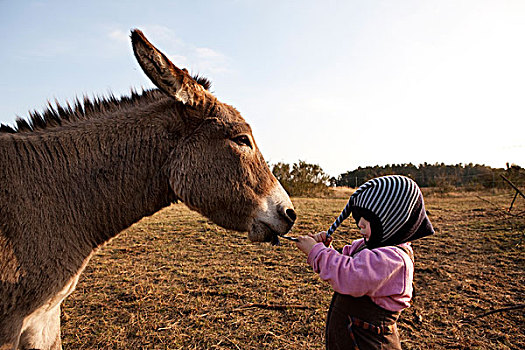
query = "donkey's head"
x=216 y=167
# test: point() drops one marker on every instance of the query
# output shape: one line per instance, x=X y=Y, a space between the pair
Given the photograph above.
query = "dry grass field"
x=176 y=281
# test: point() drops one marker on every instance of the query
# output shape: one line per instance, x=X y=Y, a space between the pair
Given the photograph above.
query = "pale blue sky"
x=338 y=83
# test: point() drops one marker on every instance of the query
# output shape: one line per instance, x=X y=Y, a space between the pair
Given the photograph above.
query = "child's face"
x=364 y=225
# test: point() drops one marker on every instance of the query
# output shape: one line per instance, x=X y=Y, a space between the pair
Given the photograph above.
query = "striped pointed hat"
x=394 y=207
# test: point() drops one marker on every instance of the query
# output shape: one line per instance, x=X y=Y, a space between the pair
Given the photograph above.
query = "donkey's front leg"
x=42 y=330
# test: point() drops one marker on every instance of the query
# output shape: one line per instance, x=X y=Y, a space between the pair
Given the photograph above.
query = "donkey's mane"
x=88 y=108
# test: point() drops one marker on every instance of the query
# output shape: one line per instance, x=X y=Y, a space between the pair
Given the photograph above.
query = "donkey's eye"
x=242 y=140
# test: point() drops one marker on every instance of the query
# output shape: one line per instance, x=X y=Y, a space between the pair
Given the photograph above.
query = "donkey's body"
x=76 y=178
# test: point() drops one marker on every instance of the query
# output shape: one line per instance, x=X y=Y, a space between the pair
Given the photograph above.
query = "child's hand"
x=305 y=244
x=321 y=238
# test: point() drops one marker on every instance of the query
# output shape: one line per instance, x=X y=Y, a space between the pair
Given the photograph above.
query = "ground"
x=176 y=281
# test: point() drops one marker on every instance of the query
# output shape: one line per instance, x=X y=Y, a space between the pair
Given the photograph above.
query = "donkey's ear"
x=164 y=74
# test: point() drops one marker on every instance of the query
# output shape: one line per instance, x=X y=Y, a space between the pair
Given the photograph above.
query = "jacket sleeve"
x=376 y=273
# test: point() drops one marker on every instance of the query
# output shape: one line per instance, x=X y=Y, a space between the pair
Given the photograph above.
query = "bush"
x=302 y=179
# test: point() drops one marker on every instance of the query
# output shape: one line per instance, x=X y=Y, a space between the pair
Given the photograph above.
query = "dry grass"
x=341 y=192
x=176 y=281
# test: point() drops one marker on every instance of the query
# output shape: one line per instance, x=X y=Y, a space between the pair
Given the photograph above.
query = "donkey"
x=74 y=177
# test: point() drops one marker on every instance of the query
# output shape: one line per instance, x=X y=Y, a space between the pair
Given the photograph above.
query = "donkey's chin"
x=262 y=232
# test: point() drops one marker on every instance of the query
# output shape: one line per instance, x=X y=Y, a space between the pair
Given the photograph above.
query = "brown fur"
x=72 y=178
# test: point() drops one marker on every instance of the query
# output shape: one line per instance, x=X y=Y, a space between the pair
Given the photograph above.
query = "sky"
x=341 y=84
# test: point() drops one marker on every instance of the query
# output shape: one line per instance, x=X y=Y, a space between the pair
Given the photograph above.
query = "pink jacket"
x=384 y=274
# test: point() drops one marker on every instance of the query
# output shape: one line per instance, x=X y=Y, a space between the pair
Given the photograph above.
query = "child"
x=372 y=277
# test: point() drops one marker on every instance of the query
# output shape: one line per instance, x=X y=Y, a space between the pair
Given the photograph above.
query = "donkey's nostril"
x=290 y=213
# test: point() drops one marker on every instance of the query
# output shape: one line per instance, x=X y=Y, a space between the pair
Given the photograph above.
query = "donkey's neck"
x=126 y=178
x=98 y=177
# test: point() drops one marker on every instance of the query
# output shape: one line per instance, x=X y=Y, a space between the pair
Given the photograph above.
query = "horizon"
x=338 y=84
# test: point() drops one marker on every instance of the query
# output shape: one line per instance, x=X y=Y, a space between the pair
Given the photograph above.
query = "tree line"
x=439 y=175
x=302 y=178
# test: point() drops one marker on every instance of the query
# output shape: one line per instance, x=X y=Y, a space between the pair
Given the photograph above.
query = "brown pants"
x=345 y=307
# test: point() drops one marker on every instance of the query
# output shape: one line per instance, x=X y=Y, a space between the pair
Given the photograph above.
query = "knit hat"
x=394 y=207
